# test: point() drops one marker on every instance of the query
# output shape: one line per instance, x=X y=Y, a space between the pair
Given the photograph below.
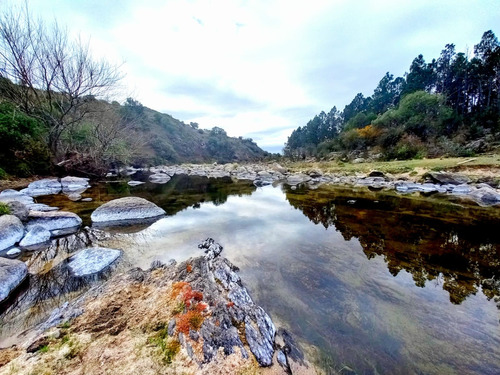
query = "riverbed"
x=374 y=282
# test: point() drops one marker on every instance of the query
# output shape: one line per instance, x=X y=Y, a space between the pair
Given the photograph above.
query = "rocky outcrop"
x=126 y=210
x=57 y=222
x=11 y=231
x=92 y=260
x=12 y=273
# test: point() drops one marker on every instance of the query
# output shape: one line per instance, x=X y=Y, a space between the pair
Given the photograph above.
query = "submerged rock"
x=11 y=231
x=126 y=209
x=12 y=273
x=57 y=222
x=92 y=260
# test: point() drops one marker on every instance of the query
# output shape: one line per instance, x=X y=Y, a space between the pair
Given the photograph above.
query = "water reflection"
x=181 y=192
x=454 y=246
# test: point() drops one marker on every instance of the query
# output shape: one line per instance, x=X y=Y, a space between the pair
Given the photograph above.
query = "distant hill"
x=168 y=140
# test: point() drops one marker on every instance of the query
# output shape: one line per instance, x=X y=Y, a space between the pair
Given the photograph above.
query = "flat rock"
x=126 y=209
x=92 y=260
x=135 y=183
x=11 y=231
x=297 y=179
x=10 y=195
x=159 y=178
x=12 y=273
x=57 y=222
x=447 y=178
x=37 y=235
x=46 y=186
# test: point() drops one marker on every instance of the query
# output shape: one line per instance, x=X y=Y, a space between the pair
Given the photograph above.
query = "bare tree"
x=50 y=76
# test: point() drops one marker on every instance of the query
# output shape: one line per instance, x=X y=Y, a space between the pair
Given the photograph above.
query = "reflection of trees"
x=435 y=241
x=181 y=192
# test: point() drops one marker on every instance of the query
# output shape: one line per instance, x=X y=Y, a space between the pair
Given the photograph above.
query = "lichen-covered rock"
x=126 y=209
x=36 y=236
x=57 y=222
x=11 y=231
x=12 y=273
x=92 y=260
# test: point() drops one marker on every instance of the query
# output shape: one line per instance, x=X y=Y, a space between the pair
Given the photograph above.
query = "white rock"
x=12 y=273
x=92 y=260
x=11 y=231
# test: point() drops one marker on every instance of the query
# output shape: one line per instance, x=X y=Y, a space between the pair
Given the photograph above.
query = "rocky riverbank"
x=483 y=192
x=194 y=317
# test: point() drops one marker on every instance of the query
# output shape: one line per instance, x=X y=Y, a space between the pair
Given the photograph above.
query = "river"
x=369 y=282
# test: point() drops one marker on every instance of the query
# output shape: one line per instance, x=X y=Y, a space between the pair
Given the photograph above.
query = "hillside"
x=103 y=134
x=449 y=106
x=168 y=140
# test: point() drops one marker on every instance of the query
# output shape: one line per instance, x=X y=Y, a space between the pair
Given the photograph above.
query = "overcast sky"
x=260 y=69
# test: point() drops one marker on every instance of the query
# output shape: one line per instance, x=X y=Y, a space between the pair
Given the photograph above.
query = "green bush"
x=3 y=174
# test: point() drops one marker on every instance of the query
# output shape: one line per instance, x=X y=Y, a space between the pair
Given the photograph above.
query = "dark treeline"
x=448 y=106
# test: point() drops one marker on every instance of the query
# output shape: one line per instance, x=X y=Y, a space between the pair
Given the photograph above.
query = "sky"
x=261 y=68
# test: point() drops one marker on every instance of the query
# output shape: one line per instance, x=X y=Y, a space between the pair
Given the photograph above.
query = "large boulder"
x=485 y=196
x=46 y=186
x=12 y=273
x=92 y=260
x=11 y=231
x=37 y=236
x=297 y=179
x=125 y=210
x=57 y=222
x=18 y=209
x=70 y=184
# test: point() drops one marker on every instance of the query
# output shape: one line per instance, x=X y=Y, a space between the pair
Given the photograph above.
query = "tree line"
x=437 y=108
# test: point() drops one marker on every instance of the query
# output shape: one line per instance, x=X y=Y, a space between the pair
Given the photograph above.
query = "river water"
x=368 y=282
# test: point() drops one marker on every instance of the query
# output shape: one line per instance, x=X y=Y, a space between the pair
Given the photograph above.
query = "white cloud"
x=254 y=66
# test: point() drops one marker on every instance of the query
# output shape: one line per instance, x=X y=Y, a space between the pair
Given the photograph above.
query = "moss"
x=4 y=209
x=167 y=346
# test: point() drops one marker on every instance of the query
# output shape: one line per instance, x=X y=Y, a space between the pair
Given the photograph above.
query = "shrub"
x=3 y=174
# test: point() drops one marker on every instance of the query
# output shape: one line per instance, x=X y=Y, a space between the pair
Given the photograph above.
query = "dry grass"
x=417 y=166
